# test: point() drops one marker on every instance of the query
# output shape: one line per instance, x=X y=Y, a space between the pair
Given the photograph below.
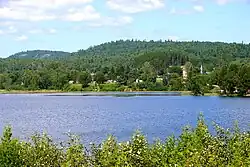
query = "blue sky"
x=70 y=25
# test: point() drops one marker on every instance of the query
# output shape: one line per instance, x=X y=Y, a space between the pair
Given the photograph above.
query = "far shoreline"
x=182 y=93
x=95 y=93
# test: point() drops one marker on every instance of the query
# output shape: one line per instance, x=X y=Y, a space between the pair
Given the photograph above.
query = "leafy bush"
x=74 y=87
x=109 y=87
x=90 y=88
x=122 y=88
x=10 y=150
x=157 y=87
x=194 y=147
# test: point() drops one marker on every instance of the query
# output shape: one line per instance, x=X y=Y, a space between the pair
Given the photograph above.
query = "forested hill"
x=211 y=54
x=156 y=63
x=40 y=54
x=204 y=50
x=195 y=48
x=160 y=54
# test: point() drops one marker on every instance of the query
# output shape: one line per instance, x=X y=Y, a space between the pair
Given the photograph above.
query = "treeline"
x=194 y=147
x=232 y=79
x=51 y=74
x=211 y=54
x=134 y=65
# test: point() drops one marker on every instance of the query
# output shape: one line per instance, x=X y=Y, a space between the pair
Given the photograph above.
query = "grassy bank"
x=194 y=147
x=64 y=91
x=29 y=91
x=183 y=93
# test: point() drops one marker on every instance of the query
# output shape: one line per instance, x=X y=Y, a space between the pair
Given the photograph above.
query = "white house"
x=184 y=72
x=71 y=82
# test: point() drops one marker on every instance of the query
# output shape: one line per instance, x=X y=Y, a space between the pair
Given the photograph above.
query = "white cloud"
x=119 y=21
x=46 y=4
x=38 y=10
x=198 y=8
x=8 y=29
x=135 y=6
x=12 y=29
x=173 y=38
x=222 y=2
x=175 y=11
x=35 y=31
x=44 y=31
x=85 y=14
x=29 y=14
x=52 y=31
x=6 y=23
x=22 y=38
x=112 y=21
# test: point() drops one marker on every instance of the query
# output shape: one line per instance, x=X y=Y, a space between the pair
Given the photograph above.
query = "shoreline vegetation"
x=182 y=93
x=194 y=147
x=61 y=91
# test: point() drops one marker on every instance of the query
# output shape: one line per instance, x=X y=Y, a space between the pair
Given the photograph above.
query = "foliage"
x=194 y=147
x=109 y=87
x=128 y=61
x=73 y=87
x=197 y=84
x=84 y=78
x=176 y=83
x=40 y=54
x=234 y=79
x=99 y=77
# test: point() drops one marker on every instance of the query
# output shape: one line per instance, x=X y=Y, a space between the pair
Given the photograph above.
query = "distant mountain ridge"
x=131 y=48
x=40 y=54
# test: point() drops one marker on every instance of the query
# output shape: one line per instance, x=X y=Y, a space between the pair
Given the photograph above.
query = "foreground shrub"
x=194 y=147
x=10 y=150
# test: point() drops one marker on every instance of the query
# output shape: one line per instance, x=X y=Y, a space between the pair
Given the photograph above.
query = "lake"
x=93 y=117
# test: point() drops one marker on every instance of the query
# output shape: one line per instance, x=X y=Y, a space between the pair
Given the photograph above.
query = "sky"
x=70 y=25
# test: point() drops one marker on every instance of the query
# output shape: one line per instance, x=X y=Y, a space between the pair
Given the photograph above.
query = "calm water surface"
x=94 y=117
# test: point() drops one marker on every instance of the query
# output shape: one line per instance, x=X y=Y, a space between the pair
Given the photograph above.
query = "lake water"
x=94 y=117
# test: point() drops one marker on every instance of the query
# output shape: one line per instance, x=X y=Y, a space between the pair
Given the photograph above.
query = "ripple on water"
x=94 y=117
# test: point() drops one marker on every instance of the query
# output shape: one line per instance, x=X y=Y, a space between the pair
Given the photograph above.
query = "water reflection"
x=118 y=94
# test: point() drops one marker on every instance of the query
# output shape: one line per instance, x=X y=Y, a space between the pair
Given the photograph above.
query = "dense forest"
x=133 y=65
x=40 y=54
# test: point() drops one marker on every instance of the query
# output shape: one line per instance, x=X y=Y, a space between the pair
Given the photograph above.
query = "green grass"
x=102 y=88
x=194 y=147
x=28 y=91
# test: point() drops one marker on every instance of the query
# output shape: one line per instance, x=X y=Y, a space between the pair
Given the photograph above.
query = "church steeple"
x=201 y=69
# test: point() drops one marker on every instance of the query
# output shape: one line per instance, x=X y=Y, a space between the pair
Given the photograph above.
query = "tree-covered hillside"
x=137 y=65
x=40 y=54
x=195 y=48
x=211 y=54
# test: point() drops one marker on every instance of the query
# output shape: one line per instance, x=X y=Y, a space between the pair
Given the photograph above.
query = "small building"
x=138 y=81
x=92 y=76
x=184 y=72
x=201 y=69
x=71 y=82
x=110 y=81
